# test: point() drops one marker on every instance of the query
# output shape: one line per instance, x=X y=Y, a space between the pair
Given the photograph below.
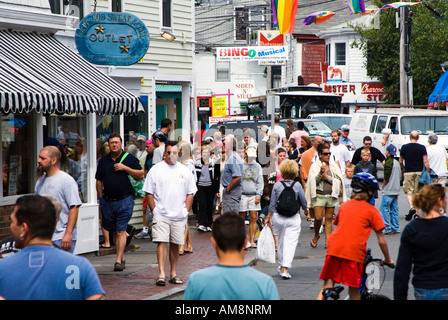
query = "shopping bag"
x=137 y=185
x=266 y=245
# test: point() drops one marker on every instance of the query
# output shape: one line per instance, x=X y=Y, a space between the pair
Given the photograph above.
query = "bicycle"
x=366 y=293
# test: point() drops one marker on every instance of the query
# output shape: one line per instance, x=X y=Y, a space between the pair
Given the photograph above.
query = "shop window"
x=71 y=133
x=135 y=135
x=18 y=166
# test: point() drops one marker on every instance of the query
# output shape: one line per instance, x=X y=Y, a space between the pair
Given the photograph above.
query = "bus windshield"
x=425 y=124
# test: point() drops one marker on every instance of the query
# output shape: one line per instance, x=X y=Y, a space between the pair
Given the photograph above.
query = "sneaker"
x=208 y=229
x=142 y=235
x=202 y=228
x=408 y=217
x=387 y=232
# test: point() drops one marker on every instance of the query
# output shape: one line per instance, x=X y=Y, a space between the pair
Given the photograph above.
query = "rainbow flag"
x=356 y=6
x=284 y=15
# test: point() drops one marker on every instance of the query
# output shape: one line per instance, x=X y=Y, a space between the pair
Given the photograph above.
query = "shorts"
x=116 y=214
x=247 y=203
x=166 y=230
x=410 y=182
x=343 y=271
x=326 y=202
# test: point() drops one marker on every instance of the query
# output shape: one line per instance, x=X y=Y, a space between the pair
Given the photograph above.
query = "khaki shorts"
x=410 y=182
x=325 y=201
x=166 y=230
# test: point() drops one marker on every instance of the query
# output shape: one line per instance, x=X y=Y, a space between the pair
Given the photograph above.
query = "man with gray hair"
x=437 y=157
x=231 y=176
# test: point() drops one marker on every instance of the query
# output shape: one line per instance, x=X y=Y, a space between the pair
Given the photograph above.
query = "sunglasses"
x=326 y=153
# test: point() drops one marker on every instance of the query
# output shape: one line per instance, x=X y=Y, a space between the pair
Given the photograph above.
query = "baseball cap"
x=141 y=137
x=345 y=127
x=264 y=128
x=392 y=149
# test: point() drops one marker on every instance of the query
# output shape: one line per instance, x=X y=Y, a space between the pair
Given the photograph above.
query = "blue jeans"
x=431 y=294
x=389 y=212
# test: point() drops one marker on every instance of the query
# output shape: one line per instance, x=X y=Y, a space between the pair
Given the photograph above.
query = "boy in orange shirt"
x=347 y=243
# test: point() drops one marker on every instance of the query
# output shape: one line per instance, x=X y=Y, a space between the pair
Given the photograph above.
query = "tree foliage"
x=428 y=49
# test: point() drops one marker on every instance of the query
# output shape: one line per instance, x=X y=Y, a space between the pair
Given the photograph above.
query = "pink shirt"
x=297 y=136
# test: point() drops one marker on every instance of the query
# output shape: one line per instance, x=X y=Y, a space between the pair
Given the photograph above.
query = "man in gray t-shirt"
x=63 y=188
x=231 y=177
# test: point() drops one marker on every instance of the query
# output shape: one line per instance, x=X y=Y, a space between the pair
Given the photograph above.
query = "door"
x=160 y=114
x=378 y=136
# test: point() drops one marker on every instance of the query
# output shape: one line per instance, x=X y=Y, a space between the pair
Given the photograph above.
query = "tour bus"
x=294 y=103
x=397 y=123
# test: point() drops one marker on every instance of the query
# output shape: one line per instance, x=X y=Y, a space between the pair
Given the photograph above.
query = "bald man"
x=64 y=188
x=413 y=159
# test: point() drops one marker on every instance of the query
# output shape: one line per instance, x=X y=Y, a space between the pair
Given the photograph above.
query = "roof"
x=339 y=7
x=37 y=72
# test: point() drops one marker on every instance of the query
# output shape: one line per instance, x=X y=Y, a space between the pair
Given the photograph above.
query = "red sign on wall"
x=270 y=38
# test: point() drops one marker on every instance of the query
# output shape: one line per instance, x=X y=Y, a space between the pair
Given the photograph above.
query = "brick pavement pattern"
x=140 y=285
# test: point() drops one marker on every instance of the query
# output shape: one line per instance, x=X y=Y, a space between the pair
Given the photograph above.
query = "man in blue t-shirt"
x=40 y=271
x=116 y=193
x=230 y=279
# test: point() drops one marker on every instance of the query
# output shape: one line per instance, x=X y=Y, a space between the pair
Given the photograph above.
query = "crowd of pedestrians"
x=266 y=180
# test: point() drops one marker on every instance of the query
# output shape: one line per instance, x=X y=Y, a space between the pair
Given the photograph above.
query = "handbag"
x=137 y=185
x=426 y=178
x=266 y=245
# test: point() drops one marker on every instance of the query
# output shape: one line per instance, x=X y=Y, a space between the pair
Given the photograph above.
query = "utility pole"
x=405 y=63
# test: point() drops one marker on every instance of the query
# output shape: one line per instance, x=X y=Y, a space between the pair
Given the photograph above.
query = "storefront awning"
x=37 y=72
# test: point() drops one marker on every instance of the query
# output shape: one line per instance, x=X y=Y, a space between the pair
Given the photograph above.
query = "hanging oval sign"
x=112 y=38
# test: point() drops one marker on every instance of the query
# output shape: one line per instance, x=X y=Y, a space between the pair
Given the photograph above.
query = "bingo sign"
x=112 y=38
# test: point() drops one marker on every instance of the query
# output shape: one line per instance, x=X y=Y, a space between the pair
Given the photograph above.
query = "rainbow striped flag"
x=284 y=15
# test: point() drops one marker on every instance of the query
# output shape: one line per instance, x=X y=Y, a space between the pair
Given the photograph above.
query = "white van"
x=332 y=120
x=399 y=122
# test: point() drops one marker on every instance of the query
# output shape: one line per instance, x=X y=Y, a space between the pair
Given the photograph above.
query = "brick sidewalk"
x=137 y=281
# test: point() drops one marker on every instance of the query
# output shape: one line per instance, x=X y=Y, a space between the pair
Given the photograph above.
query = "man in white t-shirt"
x=437 y=157
x=279 y=129
x=170 y=188
x=339 y=152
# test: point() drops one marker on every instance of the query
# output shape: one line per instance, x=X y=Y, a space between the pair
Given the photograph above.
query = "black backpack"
x=287 y=201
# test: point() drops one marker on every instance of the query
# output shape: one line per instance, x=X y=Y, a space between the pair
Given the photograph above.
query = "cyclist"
x=347 y=243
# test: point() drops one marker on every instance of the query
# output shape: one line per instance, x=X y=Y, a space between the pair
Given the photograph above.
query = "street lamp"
x=168 y=36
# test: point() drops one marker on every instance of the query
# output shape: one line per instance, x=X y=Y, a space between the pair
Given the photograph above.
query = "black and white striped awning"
x=37 y=72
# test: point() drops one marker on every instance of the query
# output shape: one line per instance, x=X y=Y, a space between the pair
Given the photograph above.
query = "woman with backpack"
x=286 y=199
x=324 y=186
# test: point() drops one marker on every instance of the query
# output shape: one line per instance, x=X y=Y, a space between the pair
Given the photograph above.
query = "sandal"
x=160 y=282
x=253 y=245
x=103 y=246
x=176 y=280
x=313 y=243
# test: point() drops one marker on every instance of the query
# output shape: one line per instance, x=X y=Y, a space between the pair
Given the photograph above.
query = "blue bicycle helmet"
x=363 y=181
